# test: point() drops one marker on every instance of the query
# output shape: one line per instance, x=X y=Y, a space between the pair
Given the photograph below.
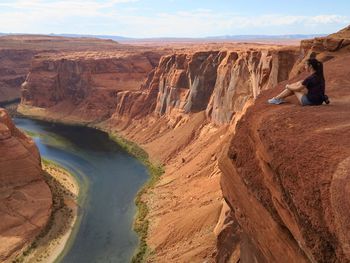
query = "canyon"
x=18 y=51
x=244 y=181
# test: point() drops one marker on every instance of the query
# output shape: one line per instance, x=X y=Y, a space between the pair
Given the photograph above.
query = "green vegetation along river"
x=109 y=179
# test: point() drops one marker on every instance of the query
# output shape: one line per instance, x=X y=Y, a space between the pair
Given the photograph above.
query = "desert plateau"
x=169 y=149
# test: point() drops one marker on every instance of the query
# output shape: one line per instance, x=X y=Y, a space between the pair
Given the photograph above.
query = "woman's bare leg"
x=284 y=94
x=299 y=94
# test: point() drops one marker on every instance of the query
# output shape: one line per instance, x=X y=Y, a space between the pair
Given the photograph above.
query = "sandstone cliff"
x=17 y=52
x=173 y=115
x=25 y=198
x=85 y=85
x=14 y=66
x=283 y=169
x=291 y=164
x=218 y=82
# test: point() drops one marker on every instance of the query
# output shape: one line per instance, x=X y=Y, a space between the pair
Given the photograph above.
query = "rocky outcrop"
x=95 y=86
x=167 y=114
x=17 y=52
x=85 y=85
x=25 y=198
x=14 y=66
x=219 y=82
x=187 y=81
x=283 y=170
x=243 y=75
x=325 y=48
x=288 y=206
x=291 y=165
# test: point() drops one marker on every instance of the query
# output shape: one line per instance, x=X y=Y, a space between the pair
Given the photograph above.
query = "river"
x=109 y=179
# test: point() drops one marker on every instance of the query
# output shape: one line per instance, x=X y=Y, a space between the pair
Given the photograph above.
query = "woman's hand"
x=287 y=86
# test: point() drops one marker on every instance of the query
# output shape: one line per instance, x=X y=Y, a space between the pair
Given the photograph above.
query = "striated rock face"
x=242 y=75
x=284 y=169
x=220 y=82
x=85 y=85
x=14 y=66
x=140 y=103
x=180 y=83
x=286 y=176
x=163 y=109
x=187 y=81
x=96 y=86
x=17 y=51
x=25 y=198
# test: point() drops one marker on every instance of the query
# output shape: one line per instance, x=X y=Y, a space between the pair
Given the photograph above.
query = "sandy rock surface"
x=25 y=198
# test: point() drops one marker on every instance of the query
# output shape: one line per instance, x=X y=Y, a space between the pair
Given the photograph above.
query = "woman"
x=315 y=85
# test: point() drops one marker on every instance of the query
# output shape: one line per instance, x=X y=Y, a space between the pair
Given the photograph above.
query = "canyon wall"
x=14 y=67
x=17 y=52
x=85 y=85
x=218 y=82
x=25 y=198
x=174 y=114
x=291 y=165
x=92 y=86
x=271 y=189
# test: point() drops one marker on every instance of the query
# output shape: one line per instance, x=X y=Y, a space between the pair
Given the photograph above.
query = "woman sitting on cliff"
x=315 y=85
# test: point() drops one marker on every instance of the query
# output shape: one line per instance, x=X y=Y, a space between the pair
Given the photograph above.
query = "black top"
x=315 y=89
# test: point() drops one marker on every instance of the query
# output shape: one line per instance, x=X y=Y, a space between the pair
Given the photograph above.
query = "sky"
x=174 y=18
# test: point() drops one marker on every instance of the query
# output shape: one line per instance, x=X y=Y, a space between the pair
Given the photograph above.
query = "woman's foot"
x=275 y=101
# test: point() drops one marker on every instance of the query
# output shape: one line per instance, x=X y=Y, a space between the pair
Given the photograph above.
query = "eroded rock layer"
x=14 y=66
x=219 y=82
x=17 y=51
x=173 y=115
x=25 y=198
x=283 y=171
x=85 y=85
x=291 y=165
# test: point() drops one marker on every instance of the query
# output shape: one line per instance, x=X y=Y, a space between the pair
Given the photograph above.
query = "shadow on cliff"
x=292 y=163
x=60 y=221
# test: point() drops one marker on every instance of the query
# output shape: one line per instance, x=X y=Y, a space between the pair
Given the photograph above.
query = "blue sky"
x=174 y=18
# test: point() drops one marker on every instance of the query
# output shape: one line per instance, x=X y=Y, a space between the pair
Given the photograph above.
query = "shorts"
x=305 y=101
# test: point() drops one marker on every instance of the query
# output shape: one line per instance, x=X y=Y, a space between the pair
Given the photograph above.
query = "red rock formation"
x=283 y=175
x=14 y=66
x=25 y=198
x=187 y=81
x=220 y=82
x=242 y=75
x=17 y=51
x=291 y=165
x=323 y=48
x=85 y=85
x=179 y=86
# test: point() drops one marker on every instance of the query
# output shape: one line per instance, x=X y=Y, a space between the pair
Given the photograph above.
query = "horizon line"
x=222 y=37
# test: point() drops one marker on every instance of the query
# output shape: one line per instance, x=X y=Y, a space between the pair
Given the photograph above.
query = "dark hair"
x=317 y=66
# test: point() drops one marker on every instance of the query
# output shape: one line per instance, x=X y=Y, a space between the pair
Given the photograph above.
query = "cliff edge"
x=25 y=198
x=284 y=169
x=286 y=174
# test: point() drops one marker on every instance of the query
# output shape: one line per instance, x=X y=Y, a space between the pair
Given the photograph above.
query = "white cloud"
x=328 y=19
x=205 y=22
x=84 y=7
x=36 y=15
x=108 y=17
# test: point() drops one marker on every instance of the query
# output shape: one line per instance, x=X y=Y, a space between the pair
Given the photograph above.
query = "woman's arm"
x=297 y=86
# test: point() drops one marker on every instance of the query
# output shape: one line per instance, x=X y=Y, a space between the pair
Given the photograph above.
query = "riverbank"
x=51 y=242
x=141 y=222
